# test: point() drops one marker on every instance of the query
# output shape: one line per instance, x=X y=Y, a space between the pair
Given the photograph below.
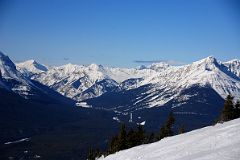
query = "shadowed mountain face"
x=29 y=109
x=194 y=107
x=65 y=130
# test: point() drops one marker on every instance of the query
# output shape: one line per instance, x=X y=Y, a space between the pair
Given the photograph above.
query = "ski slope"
x=219 y=142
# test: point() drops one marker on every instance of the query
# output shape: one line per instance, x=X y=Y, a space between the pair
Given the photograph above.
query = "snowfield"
x=219 y=142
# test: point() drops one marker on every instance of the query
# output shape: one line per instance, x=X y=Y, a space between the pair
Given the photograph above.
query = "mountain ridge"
x=12 y=80
x=222 y=77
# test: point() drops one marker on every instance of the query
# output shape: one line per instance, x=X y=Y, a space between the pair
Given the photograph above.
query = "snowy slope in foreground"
x=220 y=142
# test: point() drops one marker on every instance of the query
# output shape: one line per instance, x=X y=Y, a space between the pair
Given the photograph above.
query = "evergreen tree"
x=169 y=124
x=131 y=138
x=163 y=133
x=166 y=129
x=228 y=109
x=151 y=138
x=140 y=135
x=170 y=120
x=113 y=146
x=237 y=110
x=91 y=154
x=122 y=138
x=97 y=153
x=181 y=130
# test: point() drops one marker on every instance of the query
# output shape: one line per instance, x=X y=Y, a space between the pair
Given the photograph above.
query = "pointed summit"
x=209 y=60
x=12 y=78
x=208 y=63
x=7 y=67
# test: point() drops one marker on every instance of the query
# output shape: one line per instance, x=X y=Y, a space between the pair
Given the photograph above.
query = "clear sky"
x=119 y=32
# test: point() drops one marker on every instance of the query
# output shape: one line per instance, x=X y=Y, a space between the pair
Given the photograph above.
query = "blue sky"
x=119 y=32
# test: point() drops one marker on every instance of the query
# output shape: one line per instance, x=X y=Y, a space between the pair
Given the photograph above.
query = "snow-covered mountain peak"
x=233 y=61
x=205 y=72
x=13 y=79
x=95 y=67
x=69 y=68
x=208 y=61
x=7 y=67
x=234 y=66
x=166 y=81
x=31 y=67
x=159 y=66
x=5 y=60
x=30 y=62
x=205 y=65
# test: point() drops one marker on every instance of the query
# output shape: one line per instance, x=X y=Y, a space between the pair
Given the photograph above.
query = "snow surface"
x=219 y=142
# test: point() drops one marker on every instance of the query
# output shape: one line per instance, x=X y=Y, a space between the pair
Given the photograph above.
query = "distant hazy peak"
x=234 y=66
x=32 y=66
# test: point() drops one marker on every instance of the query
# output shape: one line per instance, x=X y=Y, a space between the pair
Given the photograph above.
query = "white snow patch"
x=18 y=141
x=142 y=123
x=116 y=119
x=83 y=104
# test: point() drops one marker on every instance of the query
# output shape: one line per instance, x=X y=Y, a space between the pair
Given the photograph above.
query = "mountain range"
x=196 y=89
x=161 y=82
x=78 y=96
x=81 y=82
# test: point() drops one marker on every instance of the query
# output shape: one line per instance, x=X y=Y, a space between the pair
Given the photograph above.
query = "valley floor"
x=219 y=142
